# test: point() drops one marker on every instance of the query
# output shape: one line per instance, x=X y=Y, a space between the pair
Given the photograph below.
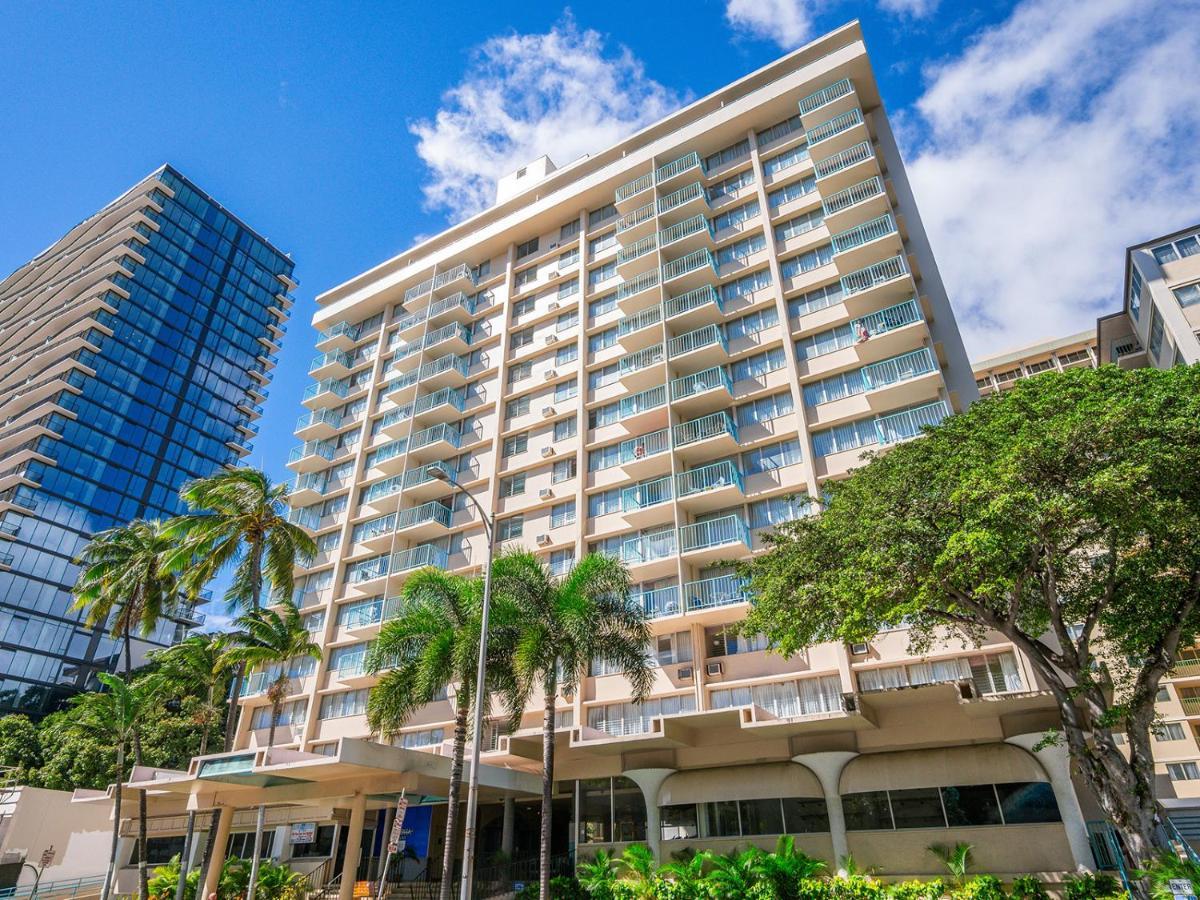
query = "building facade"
x=658 y=352
x=135 y=355
x=995 y=373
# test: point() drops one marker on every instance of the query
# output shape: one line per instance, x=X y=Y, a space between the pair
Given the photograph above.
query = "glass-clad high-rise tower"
x=134 y=355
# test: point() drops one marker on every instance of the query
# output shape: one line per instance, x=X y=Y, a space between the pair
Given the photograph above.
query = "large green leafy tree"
x=566 y=623
x=433 y=644
x=1063 y=514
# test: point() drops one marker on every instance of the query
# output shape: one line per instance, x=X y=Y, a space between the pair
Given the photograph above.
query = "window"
x=519 y=372
x=728 y=154
x=867 y=811
x=526 y=276
x=598 y=378
x=566 y=355
x=1184 y=771
x=561 y=562
x=517 y=443
x=747 y=284
x=725 y=641
x=566 y=390
x=974 y=804
x=596 y=216
x=512 y=486
x=519 y=339
x=1188 y=295
x=528 y=248
x=1027 y=802
x=562 y=514
x=731 y=185
x=1169 y=731
x=510 y=528
x=604 y=502
x=523 y=308
x=292 y=713
x=736 y=216
x=346 y=703
x=792 y=191
x=1135 y=293
x=518 y=407
x=776 y=510
x=752 y=323
x=670 y=649
x=741 y=249
x=816 y=299
x=568 y=288
x=611 y=809
x=963 y=805
x=799 y=225
x=771 y=457
x=917 y=808
x=566 y=428
x=757 y=365
x=563 y=470
x=806 y=262
x=1165 y=254
x=568 y=230
x=425 y=738
x=602 y=305
x=602 y=340
x=599 y=244
x=567 y=320
x=764 y=409
x=1156 y=332
x=785 y=160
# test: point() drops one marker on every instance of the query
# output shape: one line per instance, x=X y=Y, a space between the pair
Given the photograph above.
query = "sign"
x=1180 y=886
x=304 y=832
x=398 y=822
x=48 y=856
x=362 y=889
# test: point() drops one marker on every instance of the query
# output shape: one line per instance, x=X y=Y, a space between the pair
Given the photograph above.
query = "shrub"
x=562 y=887
x=856 y=887
x=1165 y=867
x=981 y=887
x=1028 y=887
x=1087 y=886
x=916 y=890
x=814 y=889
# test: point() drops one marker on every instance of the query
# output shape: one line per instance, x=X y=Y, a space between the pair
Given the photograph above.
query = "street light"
x=439 y=472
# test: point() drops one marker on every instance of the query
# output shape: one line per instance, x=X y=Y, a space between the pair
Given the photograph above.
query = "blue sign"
x=415 y=833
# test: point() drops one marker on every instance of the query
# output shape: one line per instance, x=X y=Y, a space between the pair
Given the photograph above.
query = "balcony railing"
x=340 y=357
x=834 y=126
x=873 y=275
x=323 y=449
x=453 y=397
x=817 y=99
x=445 y=333
x=635 y=218
x=419 y=558
x=660 y=602
x=644 y=319
x=433 y=511
x=694 y=340
x=462 y=270
x=898 y=368
x=705 y=427
x=908 y=423
x=706 y=478
x=318 y=417
x=643 y=401
x=369 y=530
x=647 y=548
x=443 y=364
x=697 y=259
x=724 y=590
x=686 y=228
x=439 y=432
x=851 y=156
x=643 y=282
x=693 y=299
x=314 y=481
x=639 y=184
x=362 y=616
x=650 y=493
x=341 y=328
x=414 y=477
x=714 y=533
x=884 y=320
x=698 y=383
x=644 y=446
x=1191 y=705
x=436 y=308
x=853 y=195
x=334 y=386
x=641 y=360
x=681 y=196
x=646 y=245
x=864 y=233
x=381 y=489
x=675 y=167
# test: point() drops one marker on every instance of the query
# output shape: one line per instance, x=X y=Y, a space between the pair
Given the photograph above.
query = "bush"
x=916 y=890
x=1087 y=886
x=1028 y=887
x=856 y=887
x=981 y=887
x=1165 y=867
x=562 y=887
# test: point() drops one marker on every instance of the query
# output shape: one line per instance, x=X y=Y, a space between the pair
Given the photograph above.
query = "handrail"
x=646 y=494
x=839 y=123
x=643 y=282
x=681 y=196
x=851 y=156
x=705 y=478
x=639 y=184
x=884 y=320
x=693 y=299
x=694 y=340
x=688 y=263
x=722 y=590
x=640 y=248
x=705 y=427
x=677 y=166
x=699 y=382
x=856 y=193
x=686 y=228
x=827 y=94
x=651 y=315
x=635 y=362
x=635 y=217
x=875 y=274
x=869 y=231
x=714 y=533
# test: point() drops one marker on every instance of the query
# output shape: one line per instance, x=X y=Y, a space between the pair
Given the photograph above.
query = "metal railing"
x=898 y=368
x=694 y=340
x=714 y=533
x=361 y=616
x=440 y=432
x=419 y=557
x=697 y=259
x=639 y=184
x=380 y=489
x=875 y=274
x=642 y=401
x=909 y=423
x=442 y=364
x=705 y=427
x=835 y=126
x=445 y=333
x=851 y=156
x=334 y=386
x=462 y=270
x=642 y=282
x=677 y=166
x=421 y=475
x=693 y=299
x=686 y=228
x=708 y=593
x=889 y=319
x=706 y=478
x=455 y=398
x=341 y=357
x=641 y=360
x=647 y=548
x=433 y=511
x=635 y=217
x=59 y=890
x=864 y=233
x=323 y=449
x=660 y=602
x=650 y=316
x=684 y=195
x=340 y=329
x=646 y=245
x=852 y=195
x=699 y=382
x=650 y=493
x=644 y=446
x=828 y=94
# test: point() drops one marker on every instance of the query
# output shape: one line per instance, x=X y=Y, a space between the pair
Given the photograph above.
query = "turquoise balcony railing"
x=441 y=279
x=864 y=233
x=650 y=493
x=908 y=423
x=414 y=477
x=644 y=446
x=643 y=401
x=440 y=432
x=678 y=166
x=851 y=156
x=405 y=351
x=648 y=547
x=697 y=259
x=686 y=228
x=433 y=511
x=642 y=359
x=454 y=301
x=698 y=383
x=334 y=386
x=646 y=245
x=714 y=533
x=644 y=319
x=889 y=319
x=828 y=94
x=341 y=328
x=639 y=184
x=377 y=528
x=406 y=380
x=694 y=340
x=454 y=398
x=310 y=481
x=381 y=489
x=643 y=282
x=364 y=615
x=660 y=602
x=706 y=478
x=693 y=299
x=445 y=333
x=340 y=357
x=448 y=363
x=705 y=427
x=635 y=218
x=323 y=449
x=852 y=195
x=876 y=274
x=834 y=126
x=318 y=417
x=419 y=557
x=898 y=368
x=724 y=590
x=684 y=195
x=351 y=667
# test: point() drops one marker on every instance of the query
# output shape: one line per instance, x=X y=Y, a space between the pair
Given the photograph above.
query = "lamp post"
x=439 y=472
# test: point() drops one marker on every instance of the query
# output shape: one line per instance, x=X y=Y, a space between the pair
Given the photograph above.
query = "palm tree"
x=238 y=521
x=126 y=583
x=599 y=874
x=200 y=667
x=431 y=644
x=733 y=874
x=637 y=864
x=566 y=623
x=786 y=867
x=269 y=638
x=115 y=715
x=687 y=871
x=956 y=859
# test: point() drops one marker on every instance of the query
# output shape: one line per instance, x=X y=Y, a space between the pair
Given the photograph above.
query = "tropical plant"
x=269 y=638
x=734 y=874
x=786 y=867
x=432 y=644
x=1164 y=867
x=597 y=875
x=19 y=745
x=1091 y=886
x=1028 y=887
x=636 y=866
x=916 y=890
x=1064 y=514
x=562 y=887
x=566 y=623
x=981 y=887
x=238 y=521
x=126 y=584
x=956 y=859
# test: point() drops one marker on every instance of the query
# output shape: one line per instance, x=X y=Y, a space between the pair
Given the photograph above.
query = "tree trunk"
x=456 y=770
x=551 y=688
x=143 y=866
x=190 y=834
x=116 y=829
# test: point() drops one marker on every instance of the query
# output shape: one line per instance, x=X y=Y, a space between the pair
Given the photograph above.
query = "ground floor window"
x=744 y=818
x=322 y=844
x=610 y=810
x=241 y=844
x=1010 y=803
x=159 y=850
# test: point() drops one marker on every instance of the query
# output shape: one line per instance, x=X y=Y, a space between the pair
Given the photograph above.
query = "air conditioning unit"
x=551 y=374
x=551 y=338
x=553 y=273
x=547 y=412
x=545 y=494
x=553 y=305
x=712 y=669
x=548 y=451
x=685 y=673
x=543 y=539
x=860 y=648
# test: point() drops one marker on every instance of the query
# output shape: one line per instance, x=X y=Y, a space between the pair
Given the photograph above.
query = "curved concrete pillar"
x=827 y=765
x=650 y=781
x=1056 y=762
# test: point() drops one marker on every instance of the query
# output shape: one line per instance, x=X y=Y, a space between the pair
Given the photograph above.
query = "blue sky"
x=1042 y=137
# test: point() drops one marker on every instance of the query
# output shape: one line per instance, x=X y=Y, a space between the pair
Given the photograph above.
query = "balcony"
x=637 y=257
x=458 y=307
x=458 y=276
x=880 y=334
x=864 y=200
x=660 y=603
x=307 y=488
x=328 y=392
x=353 y=672
x=419 y=558
x=827 y=98
x=645 y=453
x=333 y=364
x=406 y=358
x=419 y=483
x=714 y=593
x=452 y=338
x=320 y=423
x=636 y=224
x=398 y=389
x=436 y=442
x=383 y=496
x=899 y=380
x=685 y=201
x=377 y=535
x=638 y=370
x=909 y=423
x=856 y=247
x=690 y=234
x=713 y=539
x=640 y=502
x=838 y=133
x=710 y=487
x=341 y=336
x=308 y=518
x=637 y=332
x=364 y=618
x=444 y=372
x=691 y=271
x=841 y=170
x=442 y=404
x=643 y=410
x=630 y=293
x=673 y=171
x=695 y=308
x=706 y=390
x=705 y=347
x=652 y=554
x=887 y=280
x=632 y=190
x=429 y=520
x=310 y=456
x=712 y=435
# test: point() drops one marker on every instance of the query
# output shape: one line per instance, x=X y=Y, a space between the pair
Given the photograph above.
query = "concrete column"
x=1056 y=761
x=358 y=810
x=827 y=766
x=213 y=876
x=506 y=829
x=650 y=781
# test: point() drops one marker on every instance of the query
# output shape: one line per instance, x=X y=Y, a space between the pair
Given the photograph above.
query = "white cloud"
x=789 y=23
x=915 y=8
x=564 y=93
x=1058 y=138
